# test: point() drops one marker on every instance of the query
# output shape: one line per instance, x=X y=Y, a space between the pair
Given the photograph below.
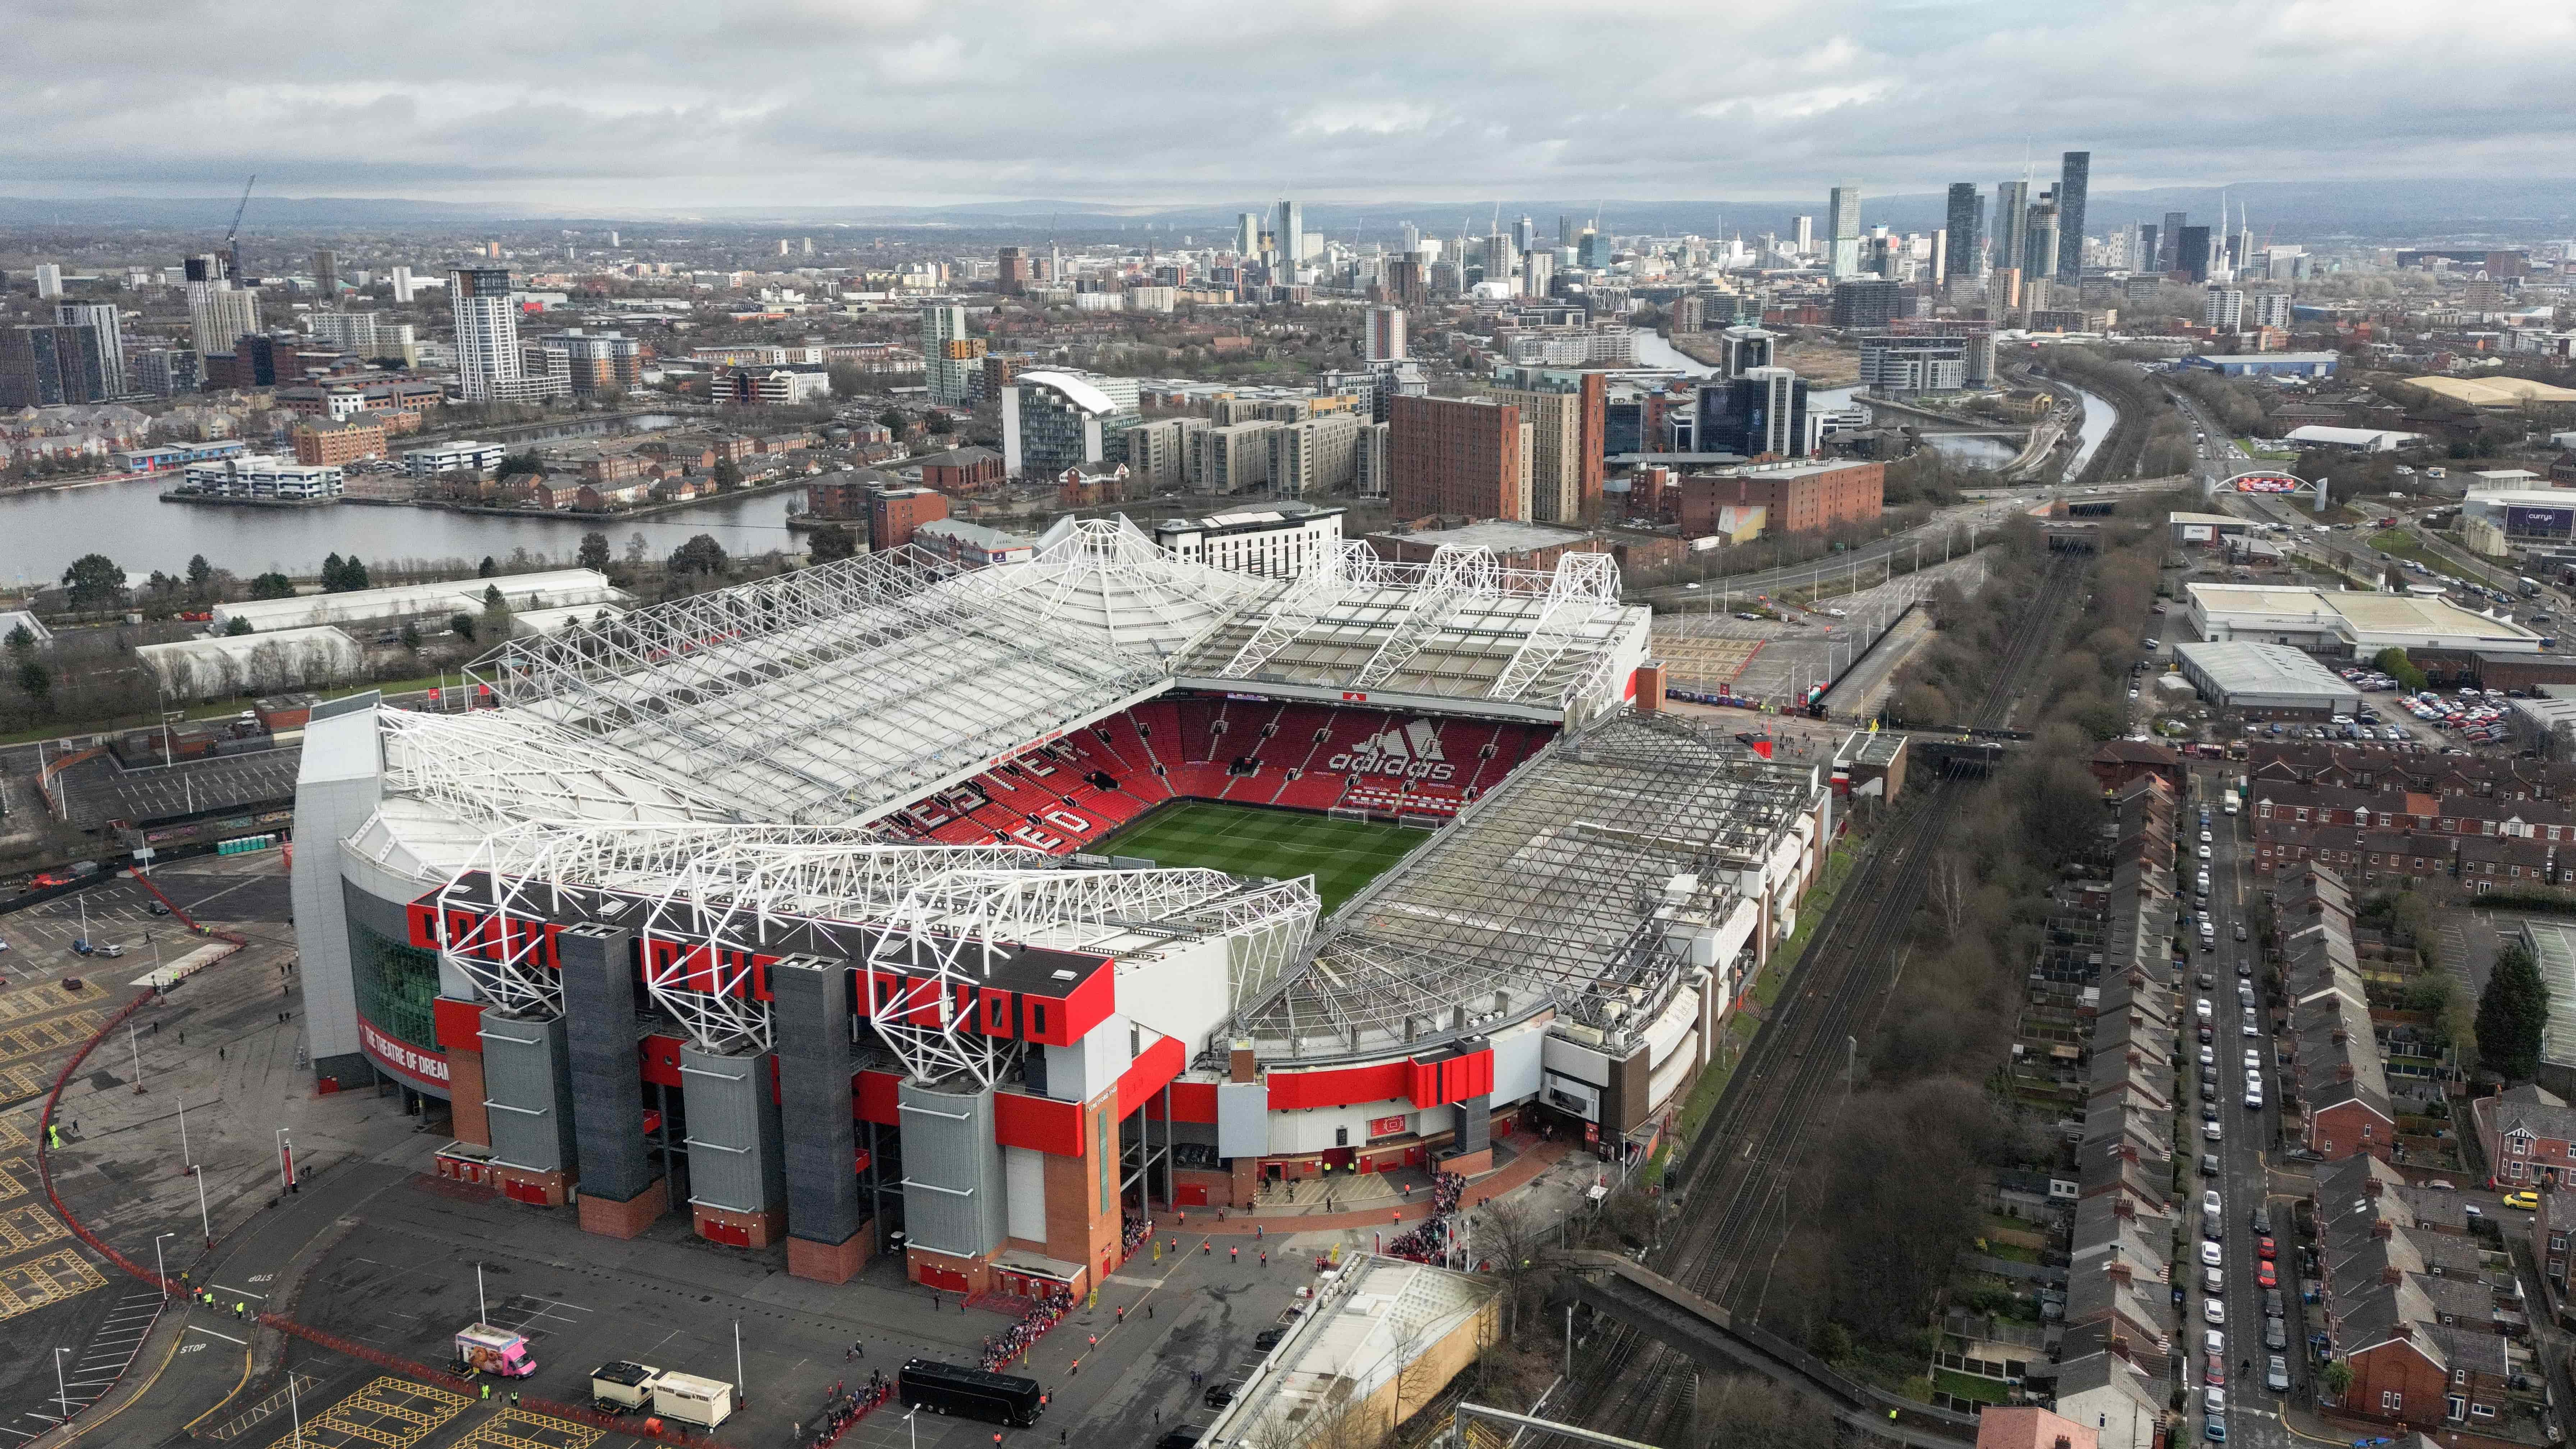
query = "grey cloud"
x=605 y=105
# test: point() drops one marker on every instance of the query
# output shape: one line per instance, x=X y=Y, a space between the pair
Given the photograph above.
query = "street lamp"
x=158 y=1270
x=62 y=1391
x=285 y=1160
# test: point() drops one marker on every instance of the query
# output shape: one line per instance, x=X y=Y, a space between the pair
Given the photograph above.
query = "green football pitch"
x=1342 y=855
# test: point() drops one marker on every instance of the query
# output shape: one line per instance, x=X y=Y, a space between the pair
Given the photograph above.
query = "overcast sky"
x=606 y=107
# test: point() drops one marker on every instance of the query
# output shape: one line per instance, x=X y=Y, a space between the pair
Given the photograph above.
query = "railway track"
x=1738 y=1178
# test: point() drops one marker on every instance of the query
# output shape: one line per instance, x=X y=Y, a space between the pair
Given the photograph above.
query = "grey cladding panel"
x=1242 y=1119
x=810 y=1013
x=733 y=1132
x=527 y=1091
x=607 y=1092
x=952 y=1186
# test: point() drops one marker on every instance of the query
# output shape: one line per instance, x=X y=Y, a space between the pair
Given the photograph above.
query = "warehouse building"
x=2265 y=681
x=2348 y=624
x=551 y=589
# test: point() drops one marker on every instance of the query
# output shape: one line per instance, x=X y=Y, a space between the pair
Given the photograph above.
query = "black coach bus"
x=949 y=1388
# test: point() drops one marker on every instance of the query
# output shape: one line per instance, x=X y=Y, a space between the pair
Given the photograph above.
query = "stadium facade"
x=778 y=905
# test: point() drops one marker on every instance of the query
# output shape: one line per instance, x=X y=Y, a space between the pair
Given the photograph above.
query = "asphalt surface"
x=2248 y=1144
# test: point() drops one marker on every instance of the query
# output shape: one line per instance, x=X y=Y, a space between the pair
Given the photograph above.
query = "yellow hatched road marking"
x=517 y=1429
x=27 y=1227
x=39 y=1281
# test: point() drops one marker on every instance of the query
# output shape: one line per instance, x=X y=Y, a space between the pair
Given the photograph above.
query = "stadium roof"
x=1578 y=883
x=835 y=694
x=1459 y=629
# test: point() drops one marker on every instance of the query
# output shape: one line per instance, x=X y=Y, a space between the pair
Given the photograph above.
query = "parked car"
x=2276 y=1374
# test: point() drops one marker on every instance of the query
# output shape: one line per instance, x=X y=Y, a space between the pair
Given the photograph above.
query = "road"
x=2249 y=1139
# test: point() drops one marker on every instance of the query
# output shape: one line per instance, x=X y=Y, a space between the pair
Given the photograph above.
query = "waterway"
x=41 y=533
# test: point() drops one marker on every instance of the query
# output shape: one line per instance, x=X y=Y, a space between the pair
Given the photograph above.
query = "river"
x=41 y=533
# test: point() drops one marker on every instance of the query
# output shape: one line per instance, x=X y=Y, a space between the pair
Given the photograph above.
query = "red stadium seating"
x=1312 y=757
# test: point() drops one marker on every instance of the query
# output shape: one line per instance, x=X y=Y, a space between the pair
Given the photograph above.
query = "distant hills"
x=2385 y=211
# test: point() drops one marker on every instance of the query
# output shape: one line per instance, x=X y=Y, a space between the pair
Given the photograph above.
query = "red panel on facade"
x=420 y=919
x=1040 y=1124
x=1090 y=1003
x=1001 y=1013
x=1383 y=1082
x=1146 y=1075
x=875 y=1094
x=1451 y=1079
x=658 y=1059
x=460 y=1024
x=1191 y=1102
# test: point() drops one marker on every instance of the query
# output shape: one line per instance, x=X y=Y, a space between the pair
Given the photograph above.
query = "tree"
x=727 y=475
x=201 y=576
x=344 y=575
x=94 y=582
x=700 y=555
x=2337 y=1377
x=2394 y=663
x=636 y=547
x=489 y=567
x=411 y=635
x=272 y=585
x=594 y=551
x=496 y=614
x=848 y=380
x=893 y=420
x=22 y=642
x=37 y=681
x=829 y=543
x=237 y=625
x=462 y=626
x=2511 y=1014
x=518 y=463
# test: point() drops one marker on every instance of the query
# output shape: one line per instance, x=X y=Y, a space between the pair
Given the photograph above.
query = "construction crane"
x=232 y=244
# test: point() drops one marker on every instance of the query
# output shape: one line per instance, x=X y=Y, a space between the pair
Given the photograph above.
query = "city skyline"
x=681 y=109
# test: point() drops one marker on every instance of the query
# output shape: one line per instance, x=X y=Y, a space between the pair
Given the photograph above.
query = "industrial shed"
x=2266 y=681
x=271 y=663
x=552 y=589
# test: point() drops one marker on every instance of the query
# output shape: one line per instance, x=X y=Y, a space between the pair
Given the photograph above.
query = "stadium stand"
x=1071 y=792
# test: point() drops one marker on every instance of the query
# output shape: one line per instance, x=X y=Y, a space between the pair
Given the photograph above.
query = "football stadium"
x=886 y=906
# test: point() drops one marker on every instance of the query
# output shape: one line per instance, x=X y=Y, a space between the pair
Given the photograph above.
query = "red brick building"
x=894 y=514
x=332 y=444
x=1456 y=456
x=1800 y=497
x=2120 y=763
x=962 y=470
